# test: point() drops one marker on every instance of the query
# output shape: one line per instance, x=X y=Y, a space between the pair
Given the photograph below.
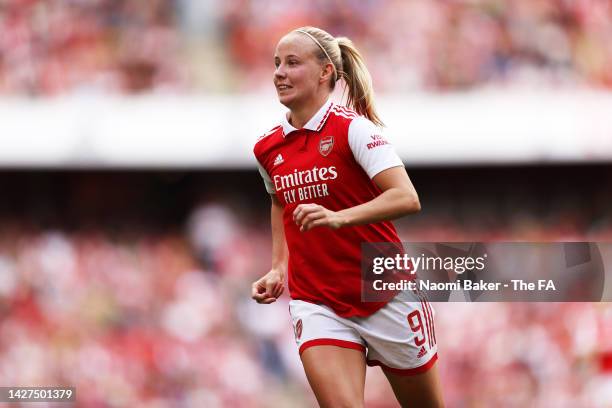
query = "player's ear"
x=327 y=73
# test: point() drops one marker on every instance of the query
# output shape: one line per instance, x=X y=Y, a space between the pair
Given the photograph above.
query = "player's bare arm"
x=398 y=198
x=271 y=286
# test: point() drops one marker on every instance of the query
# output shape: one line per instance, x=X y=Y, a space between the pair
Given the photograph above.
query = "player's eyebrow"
x=287 y=56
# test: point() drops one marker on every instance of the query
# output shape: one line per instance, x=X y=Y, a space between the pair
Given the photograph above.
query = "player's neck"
x=299 y=116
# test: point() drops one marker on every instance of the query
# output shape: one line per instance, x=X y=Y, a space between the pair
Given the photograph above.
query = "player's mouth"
x=283 y=87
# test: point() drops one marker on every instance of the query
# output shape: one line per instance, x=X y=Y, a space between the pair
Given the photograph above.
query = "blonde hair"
x=348 y=65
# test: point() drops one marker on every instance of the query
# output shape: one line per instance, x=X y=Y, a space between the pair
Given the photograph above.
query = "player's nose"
x=279 y=72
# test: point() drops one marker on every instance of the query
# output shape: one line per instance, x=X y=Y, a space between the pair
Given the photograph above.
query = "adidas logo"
x=278 y=160
x=422 y=352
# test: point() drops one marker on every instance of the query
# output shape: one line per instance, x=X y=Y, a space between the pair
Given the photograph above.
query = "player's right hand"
x=269 y=287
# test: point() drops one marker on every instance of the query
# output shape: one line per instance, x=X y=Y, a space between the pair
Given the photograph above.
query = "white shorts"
x=400 y=337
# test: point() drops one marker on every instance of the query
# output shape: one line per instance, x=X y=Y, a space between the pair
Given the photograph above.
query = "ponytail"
x=348 y=64
x=358 y=81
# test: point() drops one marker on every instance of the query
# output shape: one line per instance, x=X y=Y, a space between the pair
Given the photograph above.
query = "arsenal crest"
x=325 y=145
x=298 y=329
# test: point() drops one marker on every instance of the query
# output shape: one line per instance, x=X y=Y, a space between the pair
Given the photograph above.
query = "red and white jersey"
x=330 y=162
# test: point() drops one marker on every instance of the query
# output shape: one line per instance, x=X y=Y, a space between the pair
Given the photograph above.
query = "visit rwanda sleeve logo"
x=377 y=140
x=325 y=145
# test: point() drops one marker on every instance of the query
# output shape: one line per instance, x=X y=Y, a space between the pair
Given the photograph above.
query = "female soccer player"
x=335 y=182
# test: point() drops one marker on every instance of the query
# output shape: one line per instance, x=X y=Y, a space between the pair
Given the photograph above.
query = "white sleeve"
x=370 y=148
x=266 y=178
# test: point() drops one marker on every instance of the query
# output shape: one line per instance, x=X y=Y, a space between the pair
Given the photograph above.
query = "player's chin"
x=286 y=98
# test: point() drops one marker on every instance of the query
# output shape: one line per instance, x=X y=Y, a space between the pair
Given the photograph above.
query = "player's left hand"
x=309 y=216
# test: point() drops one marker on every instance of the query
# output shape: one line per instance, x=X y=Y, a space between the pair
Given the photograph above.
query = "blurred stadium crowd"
x=135 y=289
x=136 y=309
x=50 y=47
